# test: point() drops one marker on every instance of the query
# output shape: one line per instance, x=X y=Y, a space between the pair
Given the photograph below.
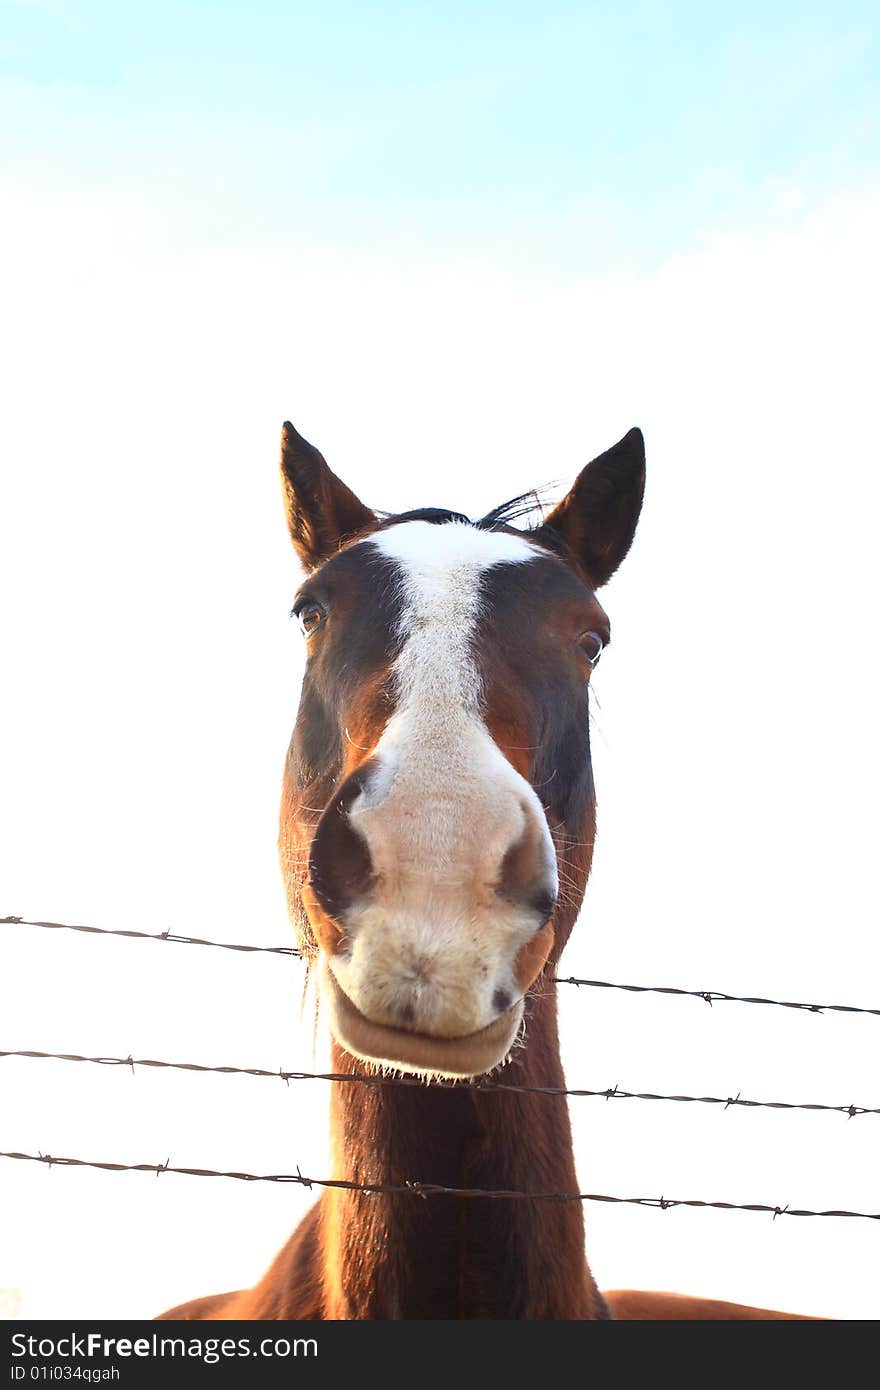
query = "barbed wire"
x=418 y=1188
x=708 y=996
x=427 y=1189
x=153 y=936
x=714 y=996
x=364 y=1078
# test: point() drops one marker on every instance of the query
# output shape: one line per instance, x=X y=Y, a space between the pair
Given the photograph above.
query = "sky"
x=464 y=252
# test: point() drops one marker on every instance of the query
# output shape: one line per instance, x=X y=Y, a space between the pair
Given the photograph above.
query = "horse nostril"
x=501 y=1001
x=544 y=903
x=340 y=866
x=528 y=870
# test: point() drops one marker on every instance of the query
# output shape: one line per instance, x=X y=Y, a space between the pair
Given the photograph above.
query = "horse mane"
x=532 y=505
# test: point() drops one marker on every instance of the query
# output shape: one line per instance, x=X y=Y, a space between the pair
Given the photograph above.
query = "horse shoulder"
x=630 y=1305
x=293 y=1288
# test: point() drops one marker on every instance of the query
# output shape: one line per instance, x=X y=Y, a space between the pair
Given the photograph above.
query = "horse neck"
x=439 y=1256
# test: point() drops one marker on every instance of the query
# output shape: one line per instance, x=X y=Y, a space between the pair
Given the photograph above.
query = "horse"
x=436 y=837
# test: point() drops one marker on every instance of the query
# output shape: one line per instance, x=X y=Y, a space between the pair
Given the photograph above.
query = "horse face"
x=438 y=783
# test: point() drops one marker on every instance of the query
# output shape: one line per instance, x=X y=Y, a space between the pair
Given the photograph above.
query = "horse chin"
x=420 y=1053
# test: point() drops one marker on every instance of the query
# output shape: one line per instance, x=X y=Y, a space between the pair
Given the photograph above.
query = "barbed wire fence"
x=380 y=1079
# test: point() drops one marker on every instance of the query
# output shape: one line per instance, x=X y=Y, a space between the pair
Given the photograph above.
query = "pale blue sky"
x=581 y=135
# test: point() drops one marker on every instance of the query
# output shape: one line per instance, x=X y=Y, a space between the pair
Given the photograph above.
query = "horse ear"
x=321 y=511
x=597 y=519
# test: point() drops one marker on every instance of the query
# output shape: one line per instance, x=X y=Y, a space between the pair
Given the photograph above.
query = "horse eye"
x=592 y=646
x=309 y=616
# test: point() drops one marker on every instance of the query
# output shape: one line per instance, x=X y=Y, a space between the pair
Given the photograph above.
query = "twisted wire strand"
x=709 y=996
x=152 y=936
x=426 y=1189
x=377 y=1079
